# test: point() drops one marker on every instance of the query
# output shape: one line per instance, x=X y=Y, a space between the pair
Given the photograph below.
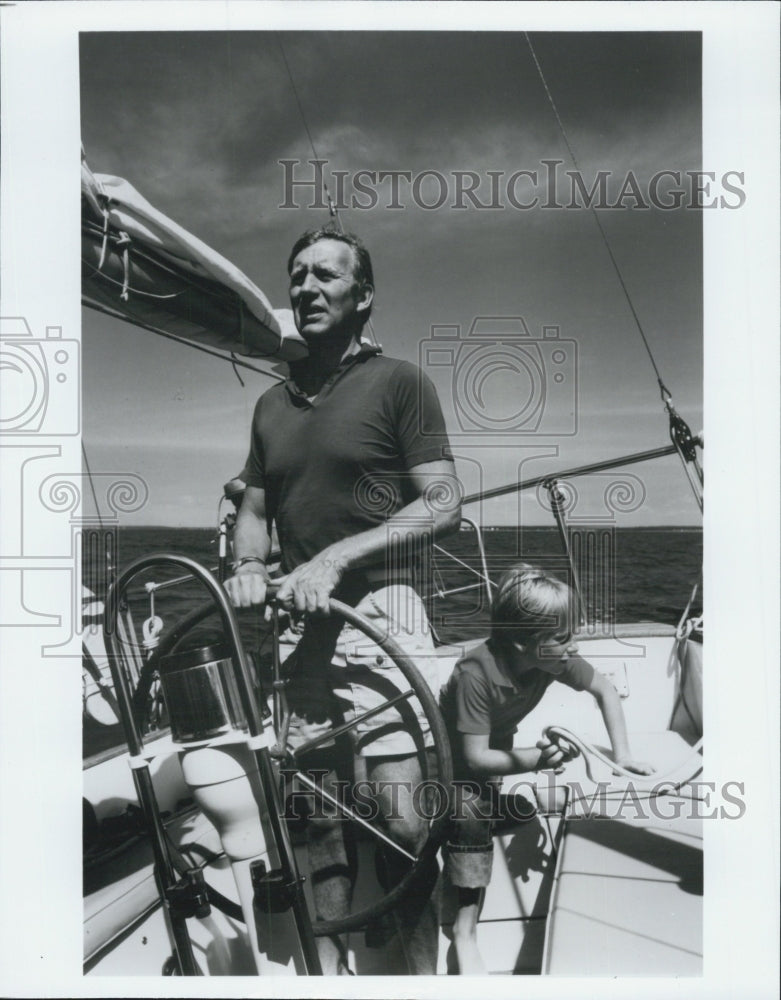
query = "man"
x=341 y=463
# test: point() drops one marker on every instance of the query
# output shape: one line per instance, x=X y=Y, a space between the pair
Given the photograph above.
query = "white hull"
x=568 y=896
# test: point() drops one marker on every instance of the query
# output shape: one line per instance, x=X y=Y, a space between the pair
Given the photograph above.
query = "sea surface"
x=630 y=574
x=626 y=574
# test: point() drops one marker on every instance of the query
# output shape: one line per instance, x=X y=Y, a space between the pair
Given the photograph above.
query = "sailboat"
x=191 y=866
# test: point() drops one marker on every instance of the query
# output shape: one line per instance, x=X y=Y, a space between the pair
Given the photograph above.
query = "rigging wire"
x=333 y=211
x=595 y=214
x=92 y=484
x=680 y=434
x=108 y=564
x=231 y=358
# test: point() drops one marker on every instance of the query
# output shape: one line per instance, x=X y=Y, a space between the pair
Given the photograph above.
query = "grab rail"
x=550 y=481
x=547 y=480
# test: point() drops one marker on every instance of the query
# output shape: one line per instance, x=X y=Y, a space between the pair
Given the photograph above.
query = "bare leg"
x=470 y=962
x=333 y=877
x=395 y=779
x=331 y=848
x=332 y=864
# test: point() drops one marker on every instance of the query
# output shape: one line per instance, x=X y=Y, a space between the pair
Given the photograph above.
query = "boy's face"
x=548 y=652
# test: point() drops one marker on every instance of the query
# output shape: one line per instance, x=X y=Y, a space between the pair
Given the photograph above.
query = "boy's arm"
x=613 y=715
x=482 y=761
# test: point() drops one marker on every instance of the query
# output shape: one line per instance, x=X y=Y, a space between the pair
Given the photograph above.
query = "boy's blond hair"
x=528 y=602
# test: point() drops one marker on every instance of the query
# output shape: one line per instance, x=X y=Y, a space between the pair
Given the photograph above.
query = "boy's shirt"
x=481 y=698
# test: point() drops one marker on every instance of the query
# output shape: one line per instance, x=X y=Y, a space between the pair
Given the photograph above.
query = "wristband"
x=248 y=559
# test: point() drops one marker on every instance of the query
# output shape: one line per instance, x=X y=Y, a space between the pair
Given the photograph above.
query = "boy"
x=489 y=692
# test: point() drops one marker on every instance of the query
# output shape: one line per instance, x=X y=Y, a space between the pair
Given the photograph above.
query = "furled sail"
x=140 y=266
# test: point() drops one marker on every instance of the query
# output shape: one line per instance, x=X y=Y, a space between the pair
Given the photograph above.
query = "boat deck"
x=604 y=889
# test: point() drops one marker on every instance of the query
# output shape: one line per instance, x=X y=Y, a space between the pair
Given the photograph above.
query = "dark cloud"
x=198 y=122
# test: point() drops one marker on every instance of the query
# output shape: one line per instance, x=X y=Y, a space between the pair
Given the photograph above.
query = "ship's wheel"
x=436 y=764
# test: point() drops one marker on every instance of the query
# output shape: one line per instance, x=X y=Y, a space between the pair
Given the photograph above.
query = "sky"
x=198 y=125
x=199 y=122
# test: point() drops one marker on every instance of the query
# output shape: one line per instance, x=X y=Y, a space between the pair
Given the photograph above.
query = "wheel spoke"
x=351 y=814
x=144 y=698
x=332 y=734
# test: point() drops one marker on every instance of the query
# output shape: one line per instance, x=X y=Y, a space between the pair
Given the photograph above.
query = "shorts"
x=468 y=851
x=358 y=676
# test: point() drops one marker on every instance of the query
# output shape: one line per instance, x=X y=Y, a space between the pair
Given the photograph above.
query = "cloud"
x=198 y=122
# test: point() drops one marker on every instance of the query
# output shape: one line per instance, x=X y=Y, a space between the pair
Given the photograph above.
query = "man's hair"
x=527 y=603
x=363 y=272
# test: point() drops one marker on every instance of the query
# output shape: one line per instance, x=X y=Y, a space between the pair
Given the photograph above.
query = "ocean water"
x=631 y=574
x=627 y=574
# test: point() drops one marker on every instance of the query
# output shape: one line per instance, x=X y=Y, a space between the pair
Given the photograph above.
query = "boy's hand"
x=636 y=767
x=552 y=756
x=569 y=750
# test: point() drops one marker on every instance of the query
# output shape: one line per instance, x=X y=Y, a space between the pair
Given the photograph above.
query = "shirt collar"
x=502 y=679
x=366 y=350
x=495 y=672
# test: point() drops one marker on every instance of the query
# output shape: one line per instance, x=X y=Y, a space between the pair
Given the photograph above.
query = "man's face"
x=324 y=294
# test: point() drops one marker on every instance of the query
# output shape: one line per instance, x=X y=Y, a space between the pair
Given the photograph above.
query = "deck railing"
x=552 y=482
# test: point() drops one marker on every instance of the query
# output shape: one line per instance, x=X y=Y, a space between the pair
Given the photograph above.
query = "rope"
x=602 y=233
x=681 y=632
x=684 y=629
x=557 y=733
x=153 y=626
x=104 y=241
x=236 y=370
x=125 y=286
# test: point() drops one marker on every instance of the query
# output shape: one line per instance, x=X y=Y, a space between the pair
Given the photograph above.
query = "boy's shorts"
x=469 y=850
x=360 y=676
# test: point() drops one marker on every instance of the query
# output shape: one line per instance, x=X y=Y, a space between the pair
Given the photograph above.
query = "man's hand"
x=248 y=585
x=310 y=585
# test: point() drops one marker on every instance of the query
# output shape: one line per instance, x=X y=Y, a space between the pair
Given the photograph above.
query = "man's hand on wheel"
x=309 y=586
x=247 y=586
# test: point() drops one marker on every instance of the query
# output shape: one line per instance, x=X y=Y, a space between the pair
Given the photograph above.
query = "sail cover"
x=140 y=266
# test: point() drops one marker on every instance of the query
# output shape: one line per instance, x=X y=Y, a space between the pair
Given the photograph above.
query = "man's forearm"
x=251 y=536
x=415 y=524
x=436 y=511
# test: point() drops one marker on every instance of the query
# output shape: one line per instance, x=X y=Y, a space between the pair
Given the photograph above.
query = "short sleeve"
x=579 y=674
x=473 y=705
x=253 y=473
x=417 y=417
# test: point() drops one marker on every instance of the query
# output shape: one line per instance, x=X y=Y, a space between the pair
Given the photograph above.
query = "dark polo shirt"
x=482 y=699
x=338 y=465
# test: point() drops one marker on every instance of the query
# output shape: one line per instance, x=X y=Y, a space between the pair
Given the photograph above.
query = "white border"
x=40 y=919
